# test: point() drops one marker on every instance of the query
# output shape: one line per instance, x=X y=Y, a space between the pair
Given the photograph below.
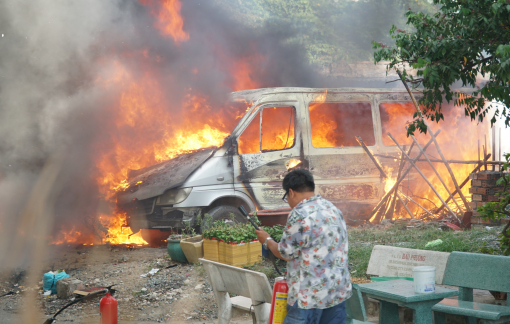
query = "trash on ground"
x=150 y=273
x=434 y=243
x=50 y=280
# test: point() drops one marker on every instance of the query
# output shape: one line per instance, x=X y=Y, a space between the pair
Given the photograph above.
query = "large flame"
x=457 y=141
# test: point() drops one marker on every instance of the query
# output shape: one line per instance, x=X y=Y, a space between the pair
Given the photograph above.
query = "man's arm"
x=271 y=244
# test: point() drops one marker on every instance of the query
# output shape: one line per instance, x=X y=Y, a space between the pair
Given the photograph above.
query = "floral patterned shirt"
x=315 y=238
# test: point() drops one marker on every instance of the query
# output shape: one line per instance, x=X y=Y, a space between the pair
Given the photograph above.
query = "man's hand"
x=262 y=236
x=271 y=245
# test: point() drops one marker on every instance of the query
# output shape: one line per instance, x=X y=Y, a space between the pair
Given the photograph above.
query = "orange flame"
x=169 y=20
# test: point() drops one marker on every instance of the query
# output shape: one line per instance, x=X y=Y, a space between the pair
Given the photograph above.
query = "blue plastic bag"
x=50 y=280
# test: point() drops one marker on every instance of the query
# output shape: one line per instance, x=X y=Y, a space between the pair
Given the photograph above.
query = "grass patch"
x=362 y=241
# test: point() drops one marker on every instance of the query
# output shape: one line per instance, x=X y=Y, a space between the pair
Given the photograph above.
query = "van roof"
x=254 y=94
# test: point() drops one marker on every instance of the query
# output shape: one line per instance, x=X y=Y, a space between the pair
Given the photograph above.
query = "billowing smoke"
x=54 y=58
x=67 y=70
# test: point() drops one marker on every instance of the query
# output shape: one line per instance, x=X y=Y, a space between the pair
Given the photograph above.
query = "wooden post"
x=480 y=164
x=437 y=173
x=402 y=177
x=424 y=177
x=437 y=145
x=485 y=149
x=493 y=146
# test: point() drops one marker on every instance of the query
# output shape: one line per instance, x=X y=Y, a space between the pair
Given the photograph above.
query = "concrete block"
x=65 y=287
x=390 y=261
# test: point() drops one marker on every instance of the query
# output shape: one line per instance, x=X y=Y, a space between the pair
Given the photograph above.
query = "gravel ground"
x=177 y=294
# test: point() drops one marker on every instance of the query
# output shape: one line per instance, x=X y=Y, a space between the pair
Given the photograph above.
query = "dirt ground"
x=180 y=294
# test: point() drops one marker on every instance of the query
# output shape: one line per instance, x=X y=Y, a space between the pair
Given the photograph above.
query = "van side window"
x=277 y=128
x=394 y=117
x=277 y=131
x=249 y=139
x=335 y=124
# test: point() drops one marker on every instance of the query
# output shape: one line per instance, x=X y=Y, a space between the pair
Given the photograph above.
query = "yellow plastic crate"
x=221 y=251
x=254 y=252
x=211 y=250
x=235 y=254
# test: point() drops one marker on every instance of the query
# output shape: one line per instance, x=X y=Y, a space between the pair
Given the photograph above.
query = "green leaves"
x=461 y=42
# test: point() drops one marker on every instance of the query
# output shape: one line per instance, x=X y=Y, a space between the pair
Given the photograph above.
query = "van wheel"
x=229 y=214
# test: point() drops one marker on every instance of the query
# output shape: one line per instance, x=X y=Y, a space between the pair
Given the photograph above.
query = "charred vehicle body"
x=314 y=129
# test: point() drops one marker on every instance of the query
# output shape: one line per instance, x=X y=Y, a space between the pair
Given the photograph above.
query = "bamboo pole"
x=383 y=199
x=383 y=174
x=404 y=204
x=389 y=214
x=365 y=148
x=425 y=209
x=437 y=145
x=424 y=177
x=480 y=164
x=435 y=171
x=441 y=161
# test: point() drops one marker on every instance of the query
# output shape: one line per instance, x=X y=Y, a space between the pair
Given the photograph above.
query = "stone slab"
x=66 y=287
x=390 y=261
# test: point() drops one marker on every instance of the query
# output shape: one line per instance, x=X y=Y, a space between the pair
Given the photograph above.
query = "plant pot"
x=254 y=252
x=236 y=254
x=211 y=250
x=175 y=251
x=193 y=248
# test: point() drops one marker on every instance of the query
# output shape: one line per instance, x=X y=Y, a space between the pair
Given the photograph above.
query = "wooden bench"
x=245 y=283
x=470 y=271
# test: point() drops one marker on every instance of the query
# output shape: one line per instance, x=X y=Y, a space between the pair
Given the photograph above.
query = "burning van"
x=284 y=128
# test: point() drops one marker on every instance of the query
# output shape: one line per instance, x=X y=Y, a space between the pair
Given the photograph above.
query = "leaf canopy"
x=465 y=44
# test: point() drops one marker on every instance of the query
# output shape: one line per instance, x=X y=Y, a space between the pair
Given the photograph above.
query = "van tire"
x=224 y=212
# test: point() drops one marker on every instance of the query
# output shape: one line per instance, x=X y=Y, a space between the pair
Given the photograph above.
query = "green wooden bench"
x=355 y=307
x=470 y=271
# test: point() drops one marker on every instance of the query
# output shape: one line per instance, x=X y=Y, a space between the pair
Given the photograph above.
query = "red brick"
x=478 y=197
x=487 y=183
x=476 y=183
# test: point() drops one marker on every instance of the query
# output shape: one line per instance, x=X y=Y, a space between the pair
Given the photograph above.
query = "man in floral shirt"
x=314 y=244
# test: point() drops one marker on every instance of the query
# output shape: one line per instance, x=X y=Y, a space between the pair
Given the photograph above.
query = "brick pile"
x=484 y=188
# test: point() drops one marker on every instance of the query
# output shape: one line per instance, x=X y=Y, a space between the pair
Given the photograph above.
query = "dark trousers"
x=335 y=314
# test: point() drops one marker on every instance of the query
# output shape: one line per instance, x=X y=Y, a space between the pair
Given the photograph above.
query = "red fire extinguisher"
x=108 y=309
x=279 y=304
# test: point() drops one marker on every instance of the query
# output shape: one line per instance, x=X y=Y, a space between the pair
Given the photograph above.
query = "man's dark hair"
x=298 y=180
